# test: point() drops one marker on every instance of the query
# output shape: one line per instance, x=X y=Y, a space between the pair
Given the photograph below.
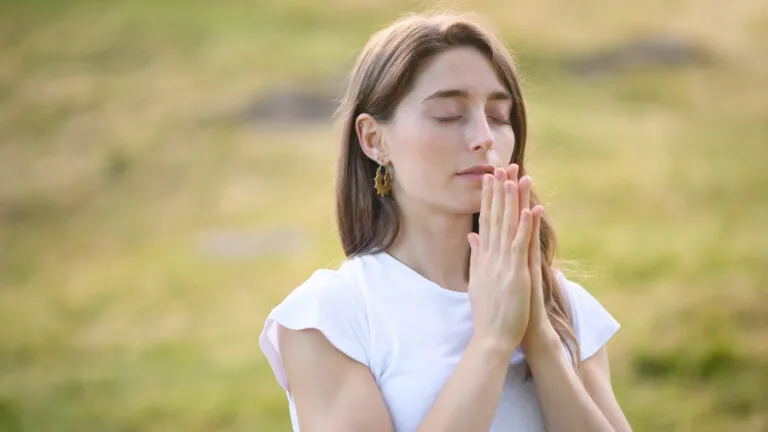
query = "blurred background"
x=167 y=177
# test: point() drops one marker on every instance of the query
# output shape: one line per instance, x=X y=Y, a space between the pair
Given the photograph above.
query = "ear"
x=370 y=135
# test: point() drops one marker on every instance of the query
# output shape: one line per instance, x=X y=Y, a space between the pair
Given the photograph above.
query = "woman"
x=447 y=314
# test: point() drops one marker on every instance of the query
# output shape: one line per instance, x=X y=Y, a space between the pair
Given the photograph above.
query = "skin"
x=429 y=140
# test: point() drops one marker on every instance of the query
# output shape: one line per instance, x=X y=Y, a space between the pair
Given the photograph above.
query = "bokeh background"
x=167 y=176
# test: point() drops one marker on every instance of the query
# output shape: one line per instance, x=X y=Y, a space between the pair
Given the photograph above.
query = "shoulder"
x=593 y=325
x=330 y=288
x=577 y=297
x=330 y=303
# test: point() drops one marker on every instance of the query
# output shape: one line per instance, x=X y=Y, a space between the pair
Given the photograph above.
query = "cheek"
x=424 y=152
x=418 y=136
x=436 y=141
x=505 y=143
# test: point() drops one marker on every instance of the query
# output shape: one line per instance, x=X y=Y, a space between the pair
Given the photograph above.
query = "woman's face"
x=457 y=116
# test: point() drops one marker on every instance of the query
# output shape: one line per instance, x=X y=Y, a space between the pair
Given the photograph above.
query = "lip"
x=477 y=170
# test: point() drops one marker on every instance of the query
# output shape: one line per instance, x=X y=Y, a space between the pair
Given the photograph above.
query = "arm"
x=471 y=395
x=332 y=392
x=566 y=403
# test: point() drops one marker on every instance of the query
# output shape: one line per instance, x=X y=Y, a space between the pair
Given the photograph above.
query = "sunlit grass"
x=120 y=159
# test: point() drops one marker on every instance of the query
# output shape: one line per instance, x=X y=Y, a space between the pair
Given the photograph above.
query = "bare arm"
x=566 y=403
x=471 y=395
x=332 y=392
x=596 y=376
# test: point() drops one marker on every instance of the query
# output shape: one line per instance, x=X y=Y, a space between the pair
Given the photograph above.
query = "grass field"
x=140 y=216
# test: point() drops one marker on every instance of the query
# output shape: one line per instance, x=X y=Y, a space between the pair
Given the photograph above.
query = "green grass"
x=114 y=171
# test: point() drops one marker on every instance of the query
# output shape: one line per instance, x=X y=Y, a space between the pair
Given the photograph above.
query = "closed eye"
x=449 y=119
x=499 y=121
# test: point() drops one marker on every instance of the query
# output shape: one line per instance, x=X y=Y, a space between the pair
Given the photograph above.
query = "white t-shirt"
x=411 y=332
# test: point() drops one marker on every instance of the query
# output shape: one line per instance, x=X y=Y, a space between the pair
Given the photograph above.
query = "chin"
x=467 y=205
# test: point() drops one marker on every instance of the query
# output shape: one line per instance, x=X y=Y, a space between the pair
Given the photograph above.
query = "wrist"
x=546 y=344
x=493 y=349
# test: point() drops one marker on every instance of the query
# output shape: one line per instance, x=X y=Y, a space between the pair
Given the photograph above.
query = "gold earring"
x=383 y=181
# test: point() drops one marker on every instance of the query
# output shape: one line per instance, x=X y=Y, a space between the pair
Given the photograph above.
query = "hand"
x=500 y=278
x=539 y=334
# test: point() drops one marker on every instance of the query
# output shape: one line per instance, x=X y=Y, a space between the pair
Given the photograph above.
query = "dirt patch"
x=643 y=53
x=295 y=103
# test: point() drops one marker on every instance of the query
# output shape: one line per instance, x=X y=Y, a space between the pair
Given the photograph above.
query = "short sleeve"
x=593 y=325
x=325 y=302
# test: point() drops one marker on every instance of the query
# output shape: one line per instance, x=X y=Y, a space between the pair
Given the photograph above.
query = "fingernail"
x=487 y=180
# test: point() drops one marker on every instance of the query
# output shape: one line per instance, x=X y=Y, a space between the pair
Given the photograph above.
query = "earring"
x=383 y=181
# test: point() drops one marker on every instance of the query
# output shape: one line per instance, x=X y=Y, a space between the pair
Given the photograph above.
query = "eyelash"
x=447 y=119
x=455 y=118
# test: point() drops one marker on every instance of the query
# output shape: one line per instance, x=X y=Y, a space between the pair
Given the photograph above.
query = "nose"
x=480 y=137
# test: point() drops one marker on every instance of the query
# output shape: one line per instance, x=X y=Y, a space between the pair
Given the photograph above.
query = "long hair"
x=383 y=74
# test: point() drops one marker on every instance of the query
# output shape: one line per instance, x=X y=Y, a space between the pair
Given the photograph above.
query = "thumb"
x=474 y=242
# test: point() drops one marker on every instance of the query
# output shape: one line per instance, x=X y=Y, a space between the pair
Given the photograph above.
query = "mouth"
x=477 y=171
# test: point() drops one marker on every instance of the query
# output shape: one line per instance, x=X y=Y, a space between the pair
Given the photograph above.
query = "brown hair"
x=383 y=74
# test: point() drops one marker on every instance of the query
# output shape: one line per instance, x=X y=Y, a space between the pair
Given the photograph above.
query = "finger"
x=526 y=184
x=497 y=210
x=510 y=216
x=534 y=251
x=485 y=210
x=472 y=240
x=522 y=239
x=515 y=214
x=512 y=171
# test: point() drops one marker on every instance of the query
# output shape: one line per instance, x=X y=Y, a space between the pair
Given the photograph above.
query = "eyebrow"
x=457 y=93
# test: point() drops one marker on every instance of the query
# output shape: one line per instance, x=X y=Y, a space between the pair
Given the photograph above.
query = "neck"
x=434 y=244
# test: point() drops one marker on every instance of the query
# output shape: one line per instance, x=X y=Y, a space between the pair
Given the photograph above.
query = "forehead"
x=463 y=68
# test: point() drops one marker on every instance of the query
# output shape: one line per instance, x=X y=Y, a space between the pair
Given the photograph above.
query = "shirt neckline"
x=418 y=278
